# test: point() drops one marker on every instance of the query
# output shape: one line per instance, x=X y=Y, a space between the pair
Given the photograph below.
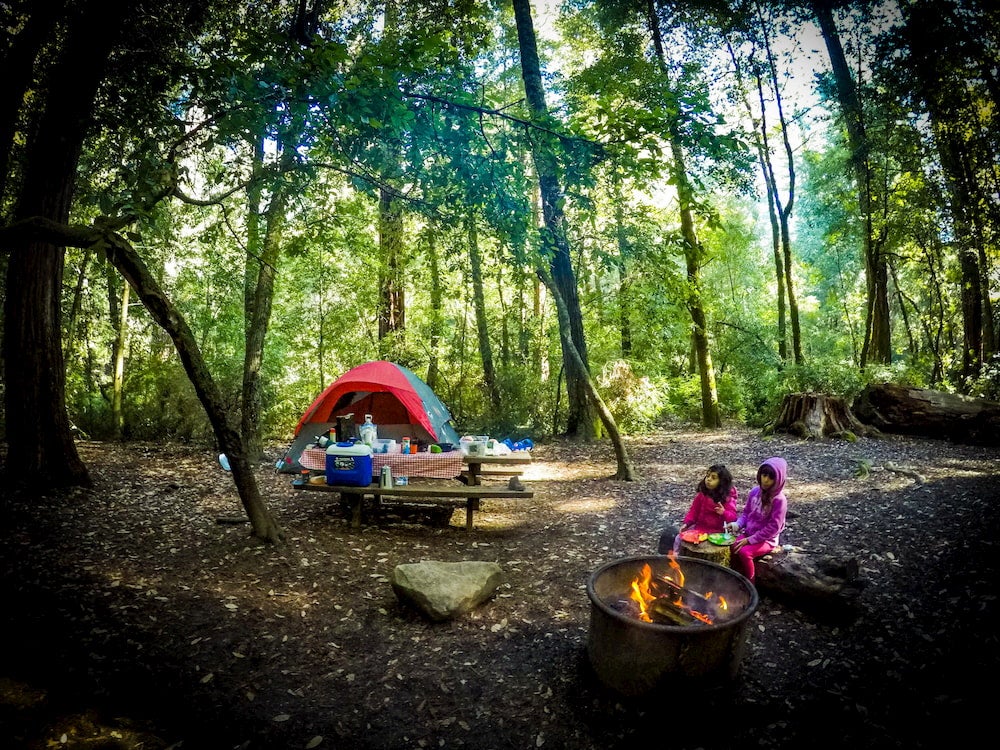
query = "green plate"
x=723 y=540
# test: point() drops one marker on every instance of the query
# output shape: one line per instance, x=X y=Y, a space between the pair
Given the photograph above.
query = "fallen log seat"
x=447 y=494
x=823 y=584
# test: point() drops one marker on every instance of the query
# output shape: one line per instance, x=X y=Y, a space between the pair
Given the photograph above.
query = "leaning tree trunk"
x=130 y=265
x=625 y=470
x=123 y=257
x=817 y=415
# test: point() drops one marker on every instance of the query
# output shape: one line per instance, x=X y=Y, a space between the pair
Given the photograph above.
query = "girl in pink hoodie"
x=762 y=519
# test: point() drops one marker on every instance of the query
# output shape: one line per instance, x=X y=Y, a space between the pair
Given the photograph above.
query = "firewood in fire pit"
x=666 y=610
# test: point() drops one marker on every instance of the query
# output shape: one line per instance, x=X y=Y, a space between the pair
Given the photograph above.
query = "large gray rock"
x=443 y=590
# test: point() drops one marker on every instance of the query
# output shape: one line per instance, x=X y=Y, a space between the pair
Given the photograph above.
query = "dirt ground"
x=133 y=619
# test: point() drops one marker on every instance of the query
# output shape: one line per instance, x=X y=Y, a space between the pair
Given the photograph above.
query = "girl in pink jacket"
x=713 y=506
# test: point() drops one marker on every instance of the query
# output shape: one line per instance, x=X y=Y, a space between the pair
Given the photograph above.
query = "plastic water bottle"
x=368 y=432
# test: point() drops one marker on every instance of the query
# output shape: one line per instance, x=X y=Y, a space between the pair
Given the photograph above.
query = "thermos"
x=385 y=479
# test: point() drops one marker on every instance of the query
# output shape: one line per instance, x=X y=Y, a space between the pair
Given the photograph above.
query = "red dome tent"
x=400 y=403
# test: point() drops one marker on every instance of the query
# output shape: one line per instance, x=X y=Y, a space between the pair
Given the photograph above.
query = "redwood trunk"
x=920 y=411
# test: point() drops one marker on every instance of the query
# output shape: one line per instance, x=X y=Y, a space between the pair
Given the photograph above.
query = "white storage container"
x=385 y=445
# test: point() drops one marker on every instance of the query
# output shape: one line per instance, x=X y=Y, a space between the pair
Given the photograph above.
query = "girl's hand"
x=739 y=544
x=719 y=509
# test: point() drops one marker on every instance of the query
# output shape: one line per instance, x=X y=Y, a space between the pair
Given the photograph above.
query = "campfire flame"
x=646 y=593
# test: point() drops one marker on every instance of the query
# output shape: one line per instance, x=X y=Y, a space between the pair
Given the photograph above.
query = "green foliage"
x=414 y=110
x=636 y=402
x=987 y=385
x=863 y=469
x=162 y=405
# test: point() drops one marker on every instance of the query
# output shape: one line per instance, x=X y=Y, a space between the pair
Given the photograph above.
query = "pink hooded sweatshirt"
x=760 y=524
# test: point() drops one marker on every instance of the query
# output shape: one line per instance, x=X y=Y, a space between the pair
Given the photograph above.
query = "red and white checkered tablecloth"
x=436 y=465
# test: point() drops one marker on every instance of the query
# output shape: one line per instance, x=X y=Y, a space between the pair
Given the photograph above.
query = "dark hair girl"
x=720 y=492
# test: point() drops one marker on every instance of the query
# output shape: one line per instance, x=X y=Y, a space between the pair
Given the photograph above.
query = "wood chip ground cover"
x=135 y=620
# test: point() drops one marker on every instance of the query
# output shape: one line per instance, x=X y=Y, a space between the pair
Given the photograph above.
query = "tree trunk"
x=625 y=470
x=822 y=584
x=17 y=60
x=763 y=148
x=710 y=415
x=118 y=373
x=624 y=284
x=479 y=306
x=555 y=245
x=877 y=345
x=40 y=442
x=785 y=211
x=391 y=304
x=260 y=305
x=73 y=319
x=953 y=126
x=919 y=411
x=437 y=319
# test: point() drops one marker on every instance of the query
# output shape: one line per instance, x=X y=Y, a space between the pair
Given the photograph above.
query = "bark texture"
x=817 y=415
x=920 y=411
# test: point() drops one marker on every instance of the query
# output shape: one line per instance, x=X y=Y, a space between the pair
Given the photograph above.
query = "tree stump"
x=919 y=411
x=817 y=415
x=717 y=553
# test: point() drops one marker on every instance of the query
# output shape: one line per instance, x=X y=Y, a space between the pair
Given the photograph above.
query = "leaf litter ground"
x=134 y=620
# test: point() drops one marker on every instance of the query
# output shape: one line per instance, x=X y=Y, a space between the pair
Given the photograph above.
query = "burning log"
x=679 y=605
x=679 y=590
x=664 y=609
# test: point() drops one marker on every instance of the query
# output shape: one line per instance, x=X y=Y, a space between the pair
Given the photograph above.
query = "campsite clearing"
x=131 y=610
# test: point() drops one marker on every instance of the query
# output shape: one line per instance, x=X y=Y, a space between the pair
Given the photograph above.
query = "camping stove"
x=635 y=657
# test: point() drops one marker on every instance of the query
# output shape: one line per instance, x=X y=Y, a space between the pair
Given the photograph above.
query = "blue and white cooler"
x=349 y=464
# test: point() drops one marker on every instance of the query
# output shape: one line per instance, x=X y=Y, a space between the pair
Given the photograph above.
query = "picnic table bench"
x=354 y=496
x=480 y=467
x=468 y=470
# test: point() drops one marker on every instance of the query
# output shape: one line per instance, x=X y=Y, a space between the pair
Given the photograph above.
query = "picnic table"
x=428 y=466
